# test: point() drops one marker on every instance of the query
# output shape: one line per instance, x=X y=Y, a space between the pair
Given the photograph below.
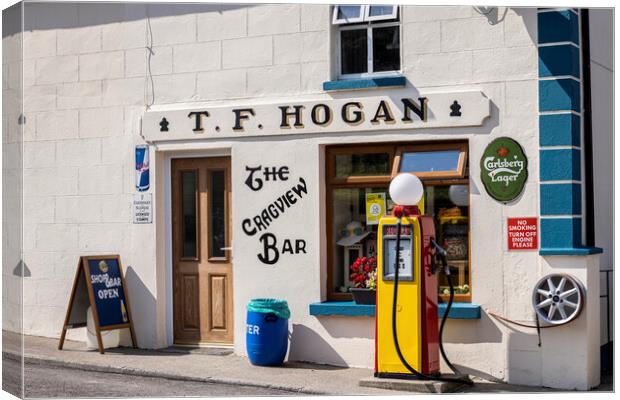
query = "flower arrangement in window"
x=364 y=273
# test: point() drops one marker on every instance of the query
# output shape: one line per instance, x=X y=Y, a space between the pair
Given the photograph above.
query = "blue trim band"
x=342 y=308
x=560 y=130
x=559 y=95
x=460 y=311
x=560 y=233
x=558 y=26
x=560 y=165
x=558 y=61
x=350 y=309
x=369 y=83
x=579 y=251
x=560 y=199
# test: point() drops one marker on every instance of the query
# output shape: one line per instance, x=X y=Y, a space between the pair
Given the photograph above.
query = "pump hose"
x=394 y=330
x=443 y=323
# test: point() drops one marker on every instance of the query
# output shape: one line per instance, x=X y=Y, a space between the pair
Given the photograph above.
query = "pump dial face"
x=405 y=259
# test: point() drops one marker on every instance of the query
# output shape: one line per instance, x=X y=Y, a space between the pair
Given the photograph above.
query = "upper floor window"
x=368 y=40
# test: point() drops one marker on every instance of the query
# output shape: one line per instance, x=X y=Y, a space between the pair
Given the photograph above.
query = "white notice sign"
x=142 y=208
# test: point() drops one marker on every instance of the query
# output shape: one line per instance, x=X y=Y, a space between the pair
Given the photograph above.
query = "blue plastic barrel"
x=267 y=331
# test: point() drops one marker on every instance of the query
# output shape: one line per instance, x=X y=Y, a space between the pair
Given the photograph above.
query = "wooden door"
x=202 y=265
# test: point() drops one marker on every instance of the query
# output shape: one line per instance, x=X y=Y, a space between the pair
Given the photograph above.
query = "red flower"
x=361 y=269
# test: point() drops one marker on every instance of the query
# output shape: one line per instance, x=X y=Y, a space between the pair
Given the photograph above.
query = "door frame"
x=168 y=156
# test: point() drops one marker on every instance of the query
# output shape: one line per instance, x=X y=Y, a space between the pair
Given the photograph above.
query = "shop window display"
x=357 y=174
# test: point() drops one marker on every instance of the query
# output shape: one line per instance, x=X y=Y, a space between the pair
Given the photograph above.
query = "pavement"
x=216 y=366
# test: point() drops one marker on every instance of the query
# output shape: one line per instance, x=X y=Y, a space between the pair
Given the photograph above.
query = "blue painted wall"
x=559 y=103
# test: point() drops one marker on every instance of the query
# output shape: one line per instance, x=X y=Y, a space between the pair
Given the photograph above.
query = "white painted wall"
x=12 y=183
x=85 y=80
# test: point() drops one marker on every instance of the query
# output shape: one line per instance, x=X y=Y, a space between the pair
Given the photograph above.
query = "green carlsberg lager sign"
x=503 y=169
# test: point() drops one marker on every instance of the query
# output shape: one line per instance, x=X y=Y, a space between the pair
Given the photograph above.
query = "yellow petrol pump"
x=407 y=339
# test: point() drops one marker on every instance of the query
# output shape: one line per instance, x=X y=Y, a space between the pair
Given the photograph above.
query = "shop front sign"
x=503 y=169
x=397 y=109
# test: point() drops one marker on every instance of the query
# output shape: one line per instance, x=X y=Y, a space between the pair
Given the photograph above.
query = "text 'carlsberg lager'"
x=142 y=168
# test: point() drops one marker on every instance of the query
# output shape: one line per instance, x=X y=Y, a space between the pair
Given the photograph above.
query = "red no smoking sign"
x=523 y=233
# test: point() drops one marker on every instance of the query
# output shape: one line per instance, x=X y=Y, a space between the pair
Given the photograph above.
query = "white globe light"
x=459 y=194
x=406 y=190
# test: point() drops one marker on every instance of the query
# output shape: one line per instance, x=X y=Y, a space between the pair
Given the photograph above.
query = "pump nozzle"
x=443 y=255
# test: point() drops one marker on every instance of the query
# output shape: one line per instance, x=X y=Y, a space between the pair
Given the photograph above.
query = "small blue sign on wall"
x=142 y=168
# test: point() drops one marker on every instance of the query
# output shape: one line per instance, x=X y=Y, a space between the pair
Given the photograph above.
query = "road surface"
x=50 y=381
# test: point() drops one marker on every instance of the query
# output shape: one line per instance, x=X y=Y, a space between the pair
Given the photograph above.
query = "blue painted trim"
x=560 y=199
x=558 y=61
x=343 y=308
x=559 y=95
x=560 y=165
x=350 y=309
x=560 y=130
x=558 y=26
x=579 y=251
x=369 y=83
x=460 y=311
x=560 y=233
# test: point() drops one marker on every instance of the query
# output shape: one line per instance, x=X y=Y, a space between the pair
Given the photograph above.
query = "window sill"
x=577 y=251
x=365 y=83
x=350 y=309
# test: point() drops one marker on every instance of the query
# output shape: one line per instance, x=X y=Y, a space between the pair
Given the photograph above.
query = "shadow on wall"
x=466 y=332
x=46 y=15
x=142 y=305
x=493 y=14
x=483 y=330
x=301 y=337
x=22 y=270
x=353 y=328
x=524 y=358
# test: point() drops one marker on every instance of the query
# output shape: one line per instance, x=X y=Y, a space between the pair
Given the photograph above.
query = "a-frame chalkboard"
x=99 y=282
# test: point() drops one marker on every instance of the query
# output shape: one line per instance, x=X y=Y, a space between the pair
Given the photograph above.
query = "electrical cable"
x=394 y=330
x=524 y=325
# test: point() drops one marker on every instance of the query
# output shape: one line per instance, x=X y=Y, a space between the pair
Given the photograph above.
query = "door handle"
x=225 y=248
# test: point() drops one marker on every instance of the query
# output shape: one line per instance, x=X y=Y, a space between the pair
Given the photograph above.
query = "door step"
x=209 y=350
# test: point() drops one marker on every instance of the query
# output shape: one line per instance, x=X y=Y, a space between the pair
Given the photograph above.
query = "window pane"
x=217 y=220
x=386 y=49
x=362 y=164
x=377 y=11
x=349 y=12
x=188 y=189
x=447 y=204
x=354 y=51
x=430 y=161
x=351 y=236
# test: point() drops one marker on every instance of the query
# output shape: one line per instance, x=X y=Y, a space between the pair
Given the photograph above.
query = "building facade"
x=267 y=127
